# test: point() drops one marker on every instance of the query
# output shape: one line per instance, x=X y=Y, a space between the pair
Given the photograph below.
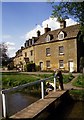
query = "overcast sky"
x=21 y=20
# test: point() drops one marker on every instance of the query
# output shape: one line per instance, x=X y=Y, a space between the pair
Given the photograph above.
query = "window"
x=47 y=38
x=30 y=42
x=61 y=50
x=48 y=64
x=61 y=64
x=61 y=36
x=47 y=51
x=31 y=52
x=25 y=54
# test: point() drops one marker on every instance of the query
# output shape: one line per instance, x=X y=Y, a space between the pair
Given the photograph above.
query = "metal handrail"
x=5 y=91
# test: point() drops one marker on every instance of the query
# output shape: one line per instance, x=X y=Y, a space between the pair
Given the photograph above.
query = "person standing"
x=60 y=78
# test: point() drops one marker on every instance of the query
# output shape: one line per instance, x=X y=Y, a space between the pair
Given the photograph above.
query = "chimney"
x=22 y=47
x=47 y=29
x=38 y=33
x=62 y=24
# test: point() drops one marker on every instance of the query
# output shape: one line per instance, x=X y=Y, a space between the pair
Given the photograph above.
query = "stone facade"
x=69 y=54
x=58 y=49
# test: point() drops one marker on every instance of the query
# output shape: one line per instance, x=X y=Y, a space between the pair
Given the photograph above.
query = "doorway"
x=41 y=65
x=71 y=66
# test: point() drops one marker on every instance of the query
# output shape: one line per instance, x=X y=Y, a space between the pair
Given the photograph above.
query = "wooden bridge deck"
x=36 y=108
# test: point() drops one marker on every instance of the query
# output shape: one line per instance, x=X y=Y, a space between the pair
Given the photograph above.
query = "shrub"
x=81 y=64
x=31 y=67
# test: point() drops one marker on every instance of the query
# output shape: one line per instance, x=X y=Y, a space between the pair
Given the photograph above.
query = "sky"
x=21 y=21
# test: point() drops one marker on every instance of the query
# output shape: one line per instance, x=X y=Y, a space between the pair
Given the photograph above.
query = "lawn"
x=15 y=79
x=12 y=79
x=77 y=94
x=79 y=82
x=67 y=78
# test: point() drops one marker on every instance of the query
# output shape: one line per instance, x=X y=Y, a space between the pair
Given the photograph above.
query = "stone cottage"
x=57 y=49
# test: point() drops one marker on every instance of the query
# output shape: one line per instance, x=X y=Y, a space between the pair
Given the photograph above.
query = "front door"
x=41 y=65
x=71 y=66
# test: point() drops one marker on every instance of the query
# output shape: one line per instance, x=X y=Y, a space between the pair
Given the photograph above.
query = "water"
x=72 y=111
x=68 y=110
x=18 y=101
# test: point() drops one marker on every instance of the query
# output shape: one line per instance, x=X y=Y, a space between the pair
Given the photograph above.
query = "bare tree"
x=3 y=54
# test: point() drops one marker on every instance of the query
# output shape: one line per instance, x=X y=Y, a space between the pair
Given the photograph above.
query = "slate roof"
x=70 y=31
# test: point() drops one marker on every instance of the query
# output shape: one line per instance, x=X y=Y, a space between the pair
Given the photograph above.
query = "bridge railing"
x=5 y=91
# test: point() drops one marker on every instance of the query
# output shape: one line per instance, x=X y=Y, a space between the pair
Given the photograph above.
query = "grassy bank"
x=12 y=79
x=67 y=78
x=79 y=82
x=77 y=94
x=15 y=79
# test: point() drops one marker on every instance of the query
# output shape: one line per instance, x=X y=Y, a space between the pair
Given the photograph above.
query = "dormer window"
x=48 y=38
x=61 y=35
x=32 y=41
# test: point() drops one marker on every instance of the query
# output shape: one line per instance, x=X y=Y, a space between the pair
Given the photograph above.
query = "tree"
x=3 y=55
x=64 y=10
x=81 y=64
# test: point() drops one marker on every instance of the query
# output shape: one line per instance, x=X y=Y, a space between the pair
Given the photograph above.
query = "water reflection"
x=18 y=101
x=72 y=111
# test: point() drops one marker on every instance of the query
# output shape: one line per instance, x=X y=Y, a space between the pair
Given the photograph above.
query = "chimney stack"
x=38 y=33
x=22 y=47
x=47 y=29
x=62 y=24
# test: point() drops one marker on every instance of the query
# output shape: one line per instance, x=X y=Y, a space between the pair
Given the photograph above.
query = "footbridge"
x=37 y=108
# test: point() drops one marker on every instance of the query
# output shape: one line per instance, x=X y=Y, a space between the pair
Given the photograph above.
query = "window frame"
x=48 y=38
x=61 y=63
x=48 y=52
x=48 y=64
x=31 y=52
x=61 y=50
x=25 y=54
x=61 y=35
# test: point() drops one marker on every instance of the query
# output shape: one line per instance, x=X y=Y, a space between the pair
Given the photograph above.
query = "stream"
x=18 y=101
x=71 y=111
